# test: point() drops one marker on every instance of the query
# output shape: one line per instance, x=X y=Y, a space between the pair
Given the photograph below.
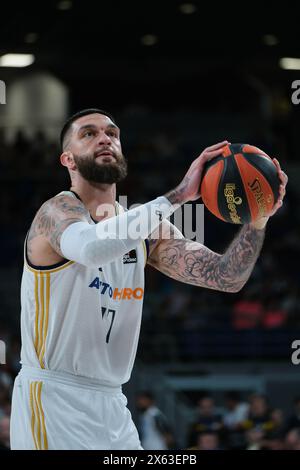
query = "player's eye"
x=88 y=134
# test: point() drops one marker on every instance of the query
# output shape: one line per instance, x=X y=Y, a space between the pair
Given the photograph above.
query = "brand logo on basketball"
x=232 y=202
x=255 y=187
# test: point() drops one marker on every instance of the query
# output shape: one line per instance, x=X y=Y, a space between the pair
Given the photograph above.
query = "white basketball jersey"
x=84 y=321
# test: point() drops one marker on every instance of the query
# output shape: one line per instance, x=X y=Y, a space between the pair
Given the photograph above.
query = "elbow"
x=236 y=287
x=234 y=290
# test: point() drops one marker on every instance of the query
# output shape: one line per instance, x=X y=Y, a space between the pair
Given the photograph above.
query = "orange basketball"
x=241 y=185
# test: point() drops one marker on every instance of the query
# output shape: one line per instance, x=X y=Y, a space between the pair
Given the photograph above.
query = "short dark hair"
x=79 y=114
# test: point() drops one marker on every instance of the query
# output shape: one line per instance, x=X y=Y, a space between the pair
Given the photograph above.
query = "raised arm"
x=63 y=226
x=193 y=263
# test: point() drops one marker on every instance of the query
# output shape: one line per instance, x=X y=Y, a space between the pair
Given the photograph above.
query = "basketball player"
x=82 y=290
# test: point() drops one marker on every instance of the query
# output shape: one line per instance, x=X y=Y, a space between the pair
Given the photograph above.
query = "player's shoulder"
x=64 y=201
x=62 y=206
x=56 y=213
x=63 y=196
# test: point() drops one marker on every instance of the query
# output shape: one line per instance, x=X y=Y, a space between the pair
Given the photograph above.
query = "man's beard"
x=106 y=173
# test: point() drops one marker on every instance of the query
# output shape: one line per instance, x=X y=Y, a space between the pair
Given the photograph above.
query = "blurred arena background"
x=177 y=78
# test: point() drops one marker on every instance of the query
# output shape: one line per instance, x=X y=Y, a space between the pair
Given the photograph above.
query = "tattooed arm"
x=193 y=263
x=55 y=215
x=196 y=264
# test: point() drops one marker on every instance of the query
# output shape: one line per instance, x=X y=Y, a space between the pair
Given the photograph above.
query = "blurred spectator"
x=5 y=393
x=38 y=150
x=292 y=439
x=254 y=438
x=277 y=417
x=208 y=419
x=248 y=311
x=237 y=410
x=207 y=440
x=233 y=418
x=4 y=433
x=259 y=416
x=273 y=442
x=155 y=432
x=21 y=143
x=274 y=315
x=293 y=421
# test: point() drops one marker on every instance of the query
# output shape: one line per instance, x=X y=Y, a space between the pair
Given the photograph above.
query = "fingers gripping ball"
x=241 y=185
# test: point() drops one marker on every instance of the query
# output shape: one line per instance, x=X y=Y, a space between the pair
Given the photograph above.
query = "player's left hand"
x=261 y=223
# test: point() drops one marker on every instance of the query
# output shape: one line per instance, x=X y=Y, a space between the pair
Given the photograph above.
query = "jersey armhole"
x=33 y=267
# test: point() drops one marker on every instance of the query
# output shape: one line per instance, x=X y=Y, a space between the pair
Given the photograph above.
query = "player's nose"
x=104 y=139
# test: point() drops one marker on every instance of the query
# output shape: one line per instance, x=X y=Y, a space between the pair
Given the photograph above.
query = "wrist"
x=176 y=196
x=260 y=224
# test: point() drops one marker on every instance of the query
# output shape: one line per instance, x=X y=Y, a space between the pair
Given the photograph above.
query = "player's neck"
x=93 y=195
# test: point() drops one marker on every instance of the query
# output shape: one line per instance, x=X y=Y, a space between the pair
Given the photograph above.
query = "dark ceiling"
x=99 y=42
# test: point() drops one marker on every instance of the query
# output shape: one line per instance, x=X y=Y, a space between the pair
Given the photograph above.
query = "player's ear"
x=67 y=159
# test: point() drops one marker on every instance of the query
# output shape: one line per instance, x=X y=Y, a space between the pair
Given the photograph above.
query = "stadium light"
x=16 y=60
x=187 y=8
x=149 y=40
x=289 y=63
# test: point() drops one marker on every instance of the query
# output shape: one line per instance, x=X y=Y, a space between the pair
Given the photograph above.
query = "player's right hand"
x=189 y=188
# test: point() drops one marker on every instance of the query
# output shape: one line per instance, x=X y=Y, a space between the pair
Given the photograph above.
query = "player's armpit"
x=54 y=217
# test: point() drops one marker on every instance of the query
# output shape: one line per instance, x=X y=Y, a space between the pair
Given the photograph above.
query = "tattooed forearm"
x=175 y=196
x=196 y=264
x=54 y=217
x=165 y=232
x=239 y=259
